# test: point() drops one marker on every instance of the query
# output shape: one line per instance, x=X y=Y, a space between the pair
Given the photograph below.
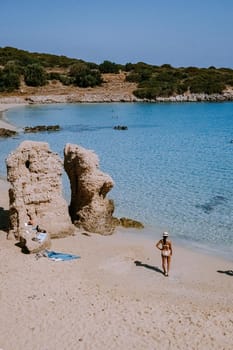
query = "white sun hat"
x=165 y=234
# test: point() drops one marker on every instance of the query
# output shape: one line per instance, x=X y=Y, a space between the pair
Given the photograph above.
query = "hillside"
x=43 y=78
x=114 y=88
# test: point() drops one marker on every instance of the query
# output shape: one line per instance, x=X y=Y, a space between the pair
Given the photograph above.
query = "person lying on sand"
x=166 y=252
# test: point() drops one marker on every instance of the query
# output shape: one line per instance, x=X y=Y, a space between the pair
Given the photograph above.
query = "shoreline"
x=128 y=234
x=3 y=108
x=197 y=247
x=146 y=234
x=107 y=94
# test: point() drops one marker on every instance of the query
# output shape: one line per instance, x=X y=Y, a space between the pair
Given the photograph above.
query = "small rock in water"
x=7 y=133
x=126 y=222
x=120 y=127
x=39 y=128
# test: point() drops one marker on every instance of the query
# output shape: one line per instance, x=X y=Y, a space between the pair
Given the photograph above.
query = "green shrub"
x=35 y=75
x=9 y=81
x=10 y=77
x=83 y=76
x=109 y=67
x=53 y=76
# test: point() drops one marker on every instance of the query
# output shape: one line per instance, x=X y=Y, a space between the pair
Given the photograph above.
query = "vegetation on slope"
x=36 y=69
x=154 y=81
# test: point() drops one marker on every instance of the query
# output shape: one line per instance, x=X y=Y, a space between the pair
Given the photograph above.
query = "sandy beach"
x=114 y=297
x=105 y=300
x=4 y=107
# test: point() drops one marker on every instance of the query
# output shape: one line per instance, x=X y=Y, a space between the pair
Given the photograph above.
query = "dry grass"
x=113 y=83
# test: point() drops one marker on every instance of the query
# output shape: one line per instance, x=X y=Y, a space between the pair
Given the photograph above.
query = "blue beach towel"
x=60 y=256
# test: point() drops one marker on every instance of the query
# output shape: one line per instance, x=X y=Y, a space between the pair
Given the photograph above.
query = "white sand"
x=105 y=301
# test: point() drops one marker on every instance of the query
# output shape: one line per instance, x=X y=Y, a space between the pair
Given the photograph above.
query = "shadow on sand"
x=154 y=268
x=4 y=219
x=227 y=272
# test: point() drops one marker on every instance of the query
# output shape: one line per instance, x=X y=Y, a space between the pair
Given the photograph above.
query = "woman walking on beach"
x=166 y=252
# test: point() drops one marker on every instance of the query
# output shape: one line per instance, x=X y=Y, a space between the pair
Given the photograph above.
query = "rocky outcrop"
x=83 y=97
x=120 y=127
x=7 y=133
x=34 y=173
x=41 y=128
x=129 y=223
x=191 y=97
x=89 y=208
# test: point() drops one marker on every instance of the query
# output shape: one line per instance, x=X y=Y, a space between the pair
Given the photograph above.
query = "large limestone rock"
x=89 y=208
x=34 y=172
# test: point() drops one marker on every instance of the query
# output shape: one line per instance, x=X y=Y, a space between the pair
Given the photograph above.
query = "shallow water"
x=172 y=168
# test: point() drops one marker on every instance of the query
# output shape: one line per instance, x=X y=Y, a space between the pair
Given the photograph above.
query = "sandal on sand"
x=166 y=274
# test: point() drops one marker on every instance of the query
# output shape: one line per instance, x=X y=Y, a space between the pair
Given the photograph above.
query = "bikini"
x=165 y=249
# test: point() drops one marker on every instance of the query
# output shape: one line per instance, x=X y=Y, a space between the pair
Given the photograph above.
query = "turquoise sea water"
x=173 y=167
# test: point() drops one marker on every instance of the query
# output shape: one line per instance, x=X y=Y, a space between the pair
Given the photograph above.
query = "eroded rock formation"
x=89 y=208
x=34 y=172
